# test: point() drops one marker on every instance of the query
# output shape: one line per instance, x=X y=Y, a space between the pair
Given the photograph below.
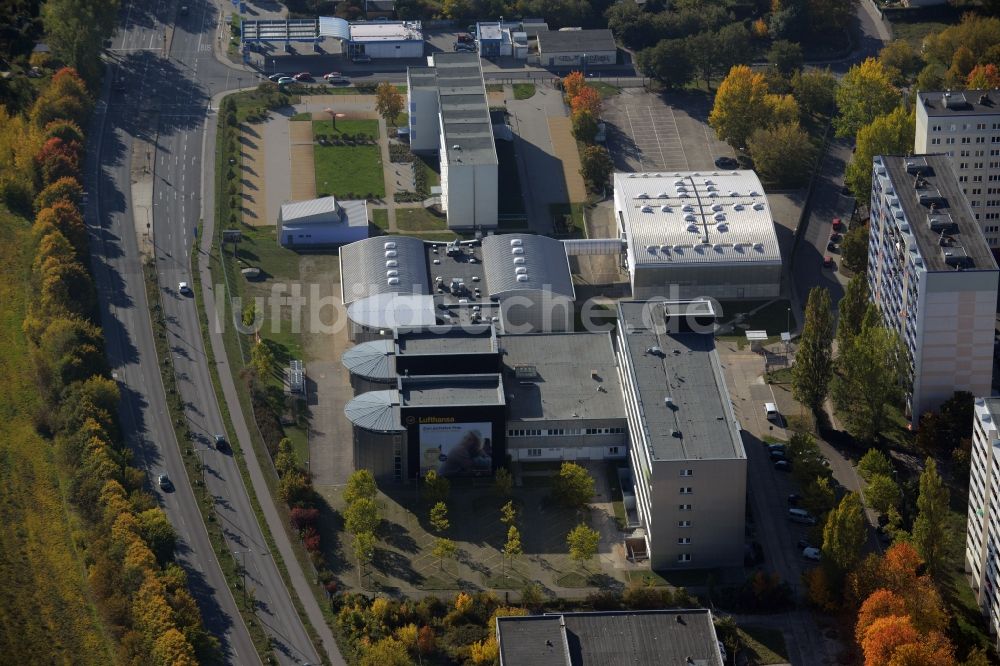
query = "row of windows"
x=604 y=431
x=537 y=453
x=965 y=127
x=562 y=432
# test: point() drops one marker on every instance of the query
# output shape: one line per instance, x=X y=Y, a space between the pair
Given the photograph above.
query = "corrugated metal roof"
x=576 y=41
x=383 y=265
x=696 y=217
x=371 y=360
x=520 y=262
x=393 y=310
x=375 y=410
x=307 y=208
x=331 y=26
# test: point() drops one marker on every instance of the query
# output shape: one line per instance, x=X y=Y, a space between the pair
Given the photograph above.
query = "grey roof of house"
x=451 y=390
x=960 y=102
x=939 y=182
x=636 y=638
x=444 y=340
x=371 y=360
x=364 y=267
x=576 y=41
x=543 y=260
x=698 y=422
x=375 y=410
x=464 y=109
x=421 y=77
x=565 y=386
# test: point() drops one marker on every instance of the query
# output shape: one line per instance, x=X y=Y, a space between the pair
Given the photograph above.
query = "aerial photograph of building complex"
x=390 y=332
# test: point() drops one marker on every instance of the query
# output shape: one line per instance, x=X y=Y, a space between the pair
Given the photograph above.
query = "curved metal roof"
x=375 y=410
x=331 y=26
x=393 y=311
x=372 y=360
x=524 y=262
x=383 y=265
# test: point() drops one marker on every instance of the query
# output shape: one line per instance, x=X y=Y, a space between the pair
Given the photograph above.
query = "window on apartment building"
x=687 y=490
x=683 y=507
x=980 y=153
x=950 y=140
x=992 y=216
x=684 y=557
x=977 y=179
x=977 y=165
x=963 y=165
x=555 y=431
x=963 y=153
x=974 y=203
x=683 y=541
x=935 y=141
x=992 y=229
x=935 y=128
x=980 y=139
x=963 y=179
x=687 y=472
x=995 y=152
x=683 y=523
x=952 y=128
x=966 y=139
x=534 y=453
x=977 y=190
x=612 y=450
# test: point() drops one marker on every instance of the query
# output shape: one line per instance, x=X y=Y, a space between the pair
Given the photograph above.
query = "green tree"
x=262 y=360
x=844 y=534
x=867 y=381
x=508 y=514
x=668 y=62
x=389 y=102
x=582 y=542
x=360 y=485
x=740 y=106
x=852 y=307
x=901 y=61
x=285 y=460
x=596 y=167
x=584 y=126
x=158 y=533
x=888 y=134
x=444 y=549
x=573 y=487
x=882 y=492
x=249 y=316
x=733 y=46
x=362 y=515
x=874 y=463
x=931 y=534
x=818 y=497
x=76 y=30
x=814 y=358
x=436 y=487
x=439 y=517
x=854 y=249
x=814 y=90
x=786 y=56
x=865 y=93
x=703 y=52
x=782 y=155
x=503 y=482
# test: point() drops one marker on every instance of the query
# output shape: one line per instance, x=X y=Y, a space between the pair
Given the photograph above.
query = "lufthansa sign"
x=436 y=419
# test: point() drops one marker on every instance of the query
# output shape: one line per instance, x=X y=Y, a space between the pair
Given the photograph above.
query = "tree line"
x=140 y=591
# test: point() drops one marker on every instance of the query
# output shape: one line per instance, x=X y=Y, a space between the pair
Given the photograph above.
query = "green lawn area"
x=494 y=87
x=419 y=219
x=915 y=32
x=302 y=116
x=569 y=219
x=380 y=216
x=767 y=645
x=348 y=171
x=432 y=168
x=402 y=120
x=606 y=89
x=524 y=90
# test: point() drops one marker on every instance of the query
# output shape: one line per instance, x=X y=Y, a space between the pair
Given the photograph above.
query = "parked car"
x=303 y=76
x=828 y=262
x=285 y=80
x=801 y=516
x=813 y=554
x=837 y=224
x=220 y=443
x=277 y=76
x=794 y=499
x=776 y=446
x=163 y=481
x=361 y=59
x=184 y=289
x=466 y=38
x=832 y=247
x=462 y=46
x=726 y=163
x=782 y=465
x=334 y=77
x=778 y=454
x=835 y=237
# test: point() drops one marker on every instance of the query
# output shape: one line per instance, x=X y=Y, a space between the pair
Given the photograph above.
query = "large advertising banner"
x=454 y=449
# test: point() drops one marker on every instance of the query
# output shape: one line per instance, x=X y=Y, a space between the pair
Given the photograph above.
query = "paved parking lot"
x=649 y=132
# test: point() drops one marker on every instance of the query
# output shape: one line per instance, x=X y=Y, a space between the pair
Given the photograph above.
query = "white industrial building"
x=323 y=221
x=386 y=39
x=933 y=278
x=577 y=48
x=965 y=125
x=331 y=34
x=698 y=234
x=982 y=541
x=449 y=113
x=689 y=467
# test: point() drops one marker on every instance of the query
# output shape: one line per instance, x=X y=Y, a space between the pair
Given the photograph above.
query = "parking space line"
x=677 y=132
x=628 y=117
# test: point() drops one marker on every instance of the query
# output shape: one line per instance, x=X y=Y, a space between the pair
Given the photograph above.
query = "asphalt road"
x=164 y=101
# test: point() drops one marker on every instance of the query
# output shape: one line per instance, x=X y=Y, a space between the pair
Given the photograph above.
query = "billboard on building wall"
x=455 y=449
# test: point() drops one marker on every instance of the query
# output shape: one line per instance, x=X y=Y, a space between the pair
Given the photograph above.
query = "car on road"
x=837 y=224
x=303 y=76
x=220 y=443
x=776 y=446
x=285 y=80
x=163 y=481
x=334 y=77
x=813 y=554
x=778 y=454
x=184 y=289
x=361 y=59
x=726 y=162
x=801 y=516
x=462 y=46
x=832 y=247
x=828 y=262
x=835 y=237
x=783 y=465
x=794 y=499
x=277 y=76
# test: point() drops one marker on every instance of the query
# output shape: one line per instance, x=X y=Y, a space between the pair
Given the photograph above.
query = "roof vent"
x=758 y=206
x=665 y=249
x=391 y=263
x=647 y=209
x=665 y=209
x=518 y=260
x=678 y=183
x=655 y=351
x=716 y=207
x=522 y=278
x=722 y=226
x=720 y=217
x=393 y=281
x=392 y=273
x=734 y=193
x=693 y=228
x=642 y=195
x=456 y=147
x=662 y=195
x=687 y=208
x=651 y=249
x=391 y=245
x=389 y=254
x=667 y=400
x=514 y=242
x=517 y=250
x=520 y=270
x=690 y=217
x=754 y=193
x=737 y=206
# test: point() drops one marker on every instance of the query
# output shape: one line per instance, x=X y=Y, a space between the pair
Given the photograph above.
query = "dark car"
x=303 y=76
x=361 y=59
x=163 y=481
x=794 y=499
x=276 y=76
x=783 y=466
x=220 y=443
x=835 y=237
x=778 y=454
x=837 y=224
x=462 y=46
x=828 y=262
x=832 y=247
x=726 y=162
x=466 y=39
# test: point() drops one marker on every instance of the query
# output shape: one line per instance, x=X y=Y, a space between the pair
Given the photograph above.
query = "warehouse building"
x=322 y=222
x=688 y=463
x=698 y=234
x=449 y=113
x=577 y=48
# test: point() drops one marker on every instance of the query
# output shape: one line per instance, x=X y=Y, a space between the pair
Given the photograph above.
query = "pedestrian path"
x=300 y=144
x=564 y=145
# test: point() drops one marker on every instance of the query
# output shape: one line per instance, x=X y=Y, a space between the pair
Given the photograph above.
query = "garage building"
x=323 y=221
x=577 y=48
x=387 y=39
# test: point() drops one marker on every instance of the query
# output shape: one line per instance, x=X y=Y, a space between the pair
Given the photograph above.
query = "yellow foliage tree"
x=740 y=106
x=782 y=110
x=485 y=652
x=151 y=613
x=407 y=635
x=573 y=83
x=759 y=29
x=172 y=649
x=463 y=602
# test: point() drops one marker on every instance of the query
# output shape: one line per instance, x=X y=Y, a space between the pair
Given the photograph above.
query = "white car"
x=184 y=288
x=811 y=553
x=334 y=77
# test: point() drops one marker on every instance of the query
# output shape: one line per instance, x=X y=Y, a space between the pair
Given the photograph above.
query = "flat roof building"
x=449 y=114
x=933 y=277
x=387 y=39
x=965 y=125
x=687 y=456
x=577 y=48
x=322 y=221
x=637 y=638
x=698 y=234
x=982 y=539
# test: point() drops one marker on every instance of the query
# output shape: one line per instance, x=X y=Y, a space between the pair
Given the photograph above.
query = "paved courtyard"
x=670 y=132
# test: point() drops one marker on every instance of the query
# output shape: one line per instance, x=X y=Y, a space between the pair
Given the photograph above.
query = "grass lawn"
x=419 y=219
x=524 y=90
x=767 y=645
x=606 y=89
x=380 y=216
x=402 y=120
x=302 y=116
x=348 y=170
x=45 y=604
x=914 y=33
x=494 y=87
x=432 y=167
x=569 y=219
